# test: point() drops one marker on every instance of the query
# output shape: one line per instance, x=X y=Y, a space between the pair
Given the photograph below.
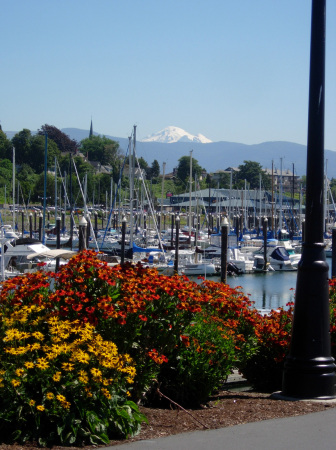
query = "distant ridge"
x=217 y=155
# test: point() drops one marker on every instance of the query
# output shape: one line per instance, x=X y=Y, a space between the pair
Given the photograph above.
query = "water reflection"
x=268 y=291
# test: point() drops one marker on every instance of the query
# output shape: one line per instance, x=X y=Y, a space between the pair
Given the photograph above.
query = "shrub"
x=146 y=315
x=263 y=365
x=60 y=382
x=82 y=345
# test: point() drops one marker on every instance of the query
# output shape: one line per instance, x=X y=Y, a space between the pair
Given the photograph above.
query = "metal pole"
x=58 y=240
x=45 y=185
x=82 y=234
x=177 y=222
x=190 y=185
x=40 y=226
x=31 y=225
x=224 y=245
x=123 y=234
x=13 y=188
x=22 y=223
x=265 y=224
x=309 y=370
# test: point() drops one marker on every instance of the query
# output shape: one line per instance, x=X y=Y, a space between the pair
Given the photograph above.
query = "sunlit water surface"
x=269 y=290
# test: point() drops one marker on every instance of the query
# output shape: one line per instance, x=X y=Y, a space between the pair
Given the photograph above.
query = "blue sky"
x=231 y=70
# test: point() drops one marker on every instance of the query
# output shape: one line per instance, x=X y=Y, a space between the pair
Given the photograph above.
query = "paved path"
x=308 y=432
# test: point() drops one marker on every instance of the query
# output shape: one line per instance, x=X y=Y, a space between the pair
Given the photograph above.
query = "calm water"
x=268 y=290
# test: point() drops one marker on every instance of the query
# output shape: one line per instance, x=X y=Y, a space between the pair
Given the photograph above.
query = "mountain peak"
x=173 y=134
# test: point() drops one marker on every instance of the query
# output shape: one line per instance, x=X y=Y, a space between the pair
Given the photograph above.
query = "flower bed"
x=81 y=347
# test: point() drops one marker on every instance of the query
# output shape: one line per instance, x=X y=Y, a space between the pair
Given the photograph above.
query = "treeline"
x=100 y=161
x=97 y=159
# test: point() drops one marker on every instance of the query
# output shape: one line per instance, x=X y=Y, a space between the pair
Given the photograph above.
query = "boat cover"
x=280 y=254
x=138 y=249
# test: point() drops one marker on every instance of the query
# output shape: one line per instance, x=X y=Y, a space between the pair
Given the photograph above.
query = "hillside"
x=219 y=155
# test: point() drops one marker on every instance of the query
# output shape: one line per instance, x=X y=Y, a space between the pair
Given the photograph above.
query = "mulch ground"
x=225 y=409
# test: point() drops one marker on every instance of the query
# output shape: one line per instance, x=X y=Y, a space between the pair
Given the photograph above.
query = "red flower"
x=77 y=307
x=144 y=318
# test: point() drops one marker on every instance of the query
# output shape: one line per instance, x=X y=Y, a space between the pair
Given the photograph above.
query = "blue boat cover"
x=138 y=249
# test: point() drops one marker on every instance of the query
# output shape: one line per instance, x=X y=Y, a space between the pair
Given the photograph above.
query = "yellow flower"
x=29 y=364
x=66 y=405
x=35 y=346
x=88 y=392
x=67 y=367
x=32 y=403
x=106 y=393
x=15 y=383
x=42 y=363
x=82 y=357
x=128 y=393
x=19 y=372
x=51 y=355
x=40 y=407
x=53 y=320
x=61 y=398
x=49 y=396
x=84 y=379
x=96 y=372
x=37 y=335
x=57 y=376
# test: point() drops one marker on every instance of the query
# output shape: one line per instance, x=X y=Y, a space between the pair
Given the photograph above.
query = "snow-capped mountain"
x=172 y=134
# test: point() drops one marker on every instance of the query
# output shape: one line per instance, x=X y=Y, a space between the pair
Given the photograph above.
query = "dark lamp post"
x=309 y=370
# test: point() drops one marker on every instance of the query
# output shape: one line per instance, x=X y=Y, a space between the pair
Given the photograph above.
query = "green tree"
x=183 y=168
x=102 y=149
x=143 y=163
x=6 y=175
x=154 y=171
x=38 y=192
x=22 y=144
x=251 y=172
x=5 y=146
x=37 y=153
x=27 y=178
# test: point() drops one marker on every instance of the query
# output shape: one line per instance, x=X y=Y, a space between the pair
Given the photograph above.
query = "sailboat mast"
x=280 y=211
x=162 y=193
x=272 y=218
x=190 y=184
x=13 y=188
x=55 y=190
x=259 y=201
x=131 y=186
x=45 y=186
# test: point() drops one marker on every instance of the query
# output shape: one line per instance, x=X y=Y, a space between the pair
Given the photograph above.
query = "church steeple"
x=91 y=129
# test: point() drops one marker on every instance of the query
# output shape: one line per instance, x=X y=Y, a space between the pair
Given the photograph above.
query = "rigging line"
x=85 y=207
x=151 y=208
x=63 y=183
x=115 y=196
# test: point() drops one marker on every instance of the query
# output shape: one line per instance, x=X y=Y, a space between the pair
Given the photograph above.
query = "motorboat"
x=28 y=254
x=199 y=268
x=277 y=257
